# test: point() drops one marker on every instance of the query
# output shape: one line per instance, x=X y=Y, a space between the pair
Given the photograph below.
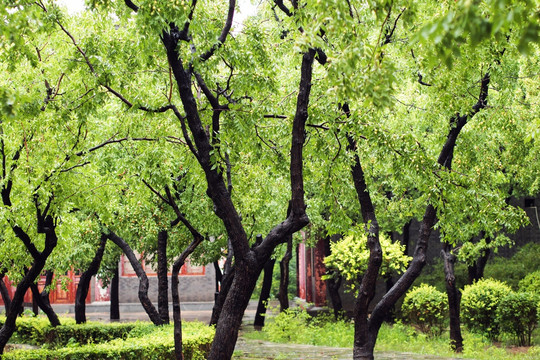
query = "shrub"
x=288 y=326
x=349 y=258
x=426 y=307
x=295 y=325
x=479 y=304
x=531 y=283
x=512 y=270
x=159 y=344
x=88 y=333
x=517 y=315
x=38 y=331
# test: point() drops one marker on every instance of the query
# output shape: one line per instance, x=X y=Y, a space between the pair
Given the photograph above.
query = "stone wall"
x=192 y=287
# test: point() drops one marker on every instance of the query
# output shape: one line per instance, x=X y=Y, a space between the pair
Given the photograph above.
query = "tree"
x=206 y=146
x=237 y=109
x=364 y=74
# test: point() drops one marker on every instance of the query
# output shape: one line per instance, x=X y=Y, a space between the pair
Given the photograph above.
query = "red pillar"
x=311 y=269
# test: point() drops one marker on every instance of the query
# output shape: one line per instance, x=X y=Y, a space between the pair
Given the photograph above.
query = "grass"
x=298 y=327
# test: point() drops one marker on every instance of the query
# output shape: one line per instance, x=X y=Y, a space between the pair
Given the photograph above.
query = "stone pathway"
x=263 y=350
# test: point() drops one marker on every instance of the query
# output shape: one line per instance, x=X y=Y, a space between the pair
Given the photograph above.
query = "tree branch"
x=181 y=217
x=156 y=192
x=131 y=5
x=224 y=32
x=23 y=236
x=282 y=7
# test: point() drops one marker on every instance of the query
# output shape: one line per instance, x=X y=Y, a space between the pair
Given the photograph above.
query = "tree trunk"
x=456 y=340
x=177 y=315
x=84 y=282
x=5 y=294
x=16 y=303
x=177 y=318
x=143 y=279
x=333 y=283
x=218 y=278
x=226 y=281
x=283 y=294
x=35 y=270
x=476 y=270
x=249 y=261
x=42 y=299
x=265 y=293
x=163 y=283
x=364 y=340
x=233 y=309
x=406 y=237
x=115 y=299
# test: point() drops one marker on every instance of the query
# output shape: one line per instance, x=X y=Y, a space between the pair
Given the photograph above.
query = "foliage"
x=479 y=303
x=398 y=120
x=531 y=283
x=139 y=344
x=509 y=270
x=349 y=257
x=512 y=270
x=517 y=314
x=38 y=331
x=295 y=325
x=426 y=307
x=432 y=274
x=34 y=330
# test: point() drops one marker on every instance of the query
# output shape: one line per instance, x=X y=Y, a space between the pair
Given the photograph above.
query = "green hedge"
x=517 y=314
x=479 y=303
x=38 y=331
x=138 y=341
x=426 y=307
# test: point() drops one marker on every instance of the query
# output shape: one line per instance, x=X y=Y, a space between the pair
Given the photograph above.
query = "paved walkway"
x=190 y=311
x=259 y=350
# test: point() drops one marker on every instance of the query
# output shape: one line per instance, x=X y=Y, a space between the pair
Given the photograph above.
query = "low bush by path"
x=126 y=341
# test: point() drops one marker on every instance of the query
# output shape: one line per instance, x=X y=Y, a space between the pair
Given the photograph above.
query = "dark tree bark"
x=42 y=299
x=476 y=270
x=5 y=294
x=115 y=299
x=143 y=279
x=218 y=278
x=454 y=298
x=367 y=328
x=163 y=283
x=406 y=237
x=333 y=283
x=177 y=316
x=228 y=278
x=283 y=294
x=39 y=259
x=226 y=281
x=268 y=272
x=84 y=282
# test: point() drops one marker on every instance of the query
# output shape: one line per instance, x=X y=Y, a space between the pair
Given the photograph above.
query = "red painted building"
x=310 y=270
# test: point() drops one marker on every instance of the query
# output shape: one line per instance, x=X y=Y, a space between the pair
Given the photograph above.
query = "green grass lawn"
x=299 y=328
